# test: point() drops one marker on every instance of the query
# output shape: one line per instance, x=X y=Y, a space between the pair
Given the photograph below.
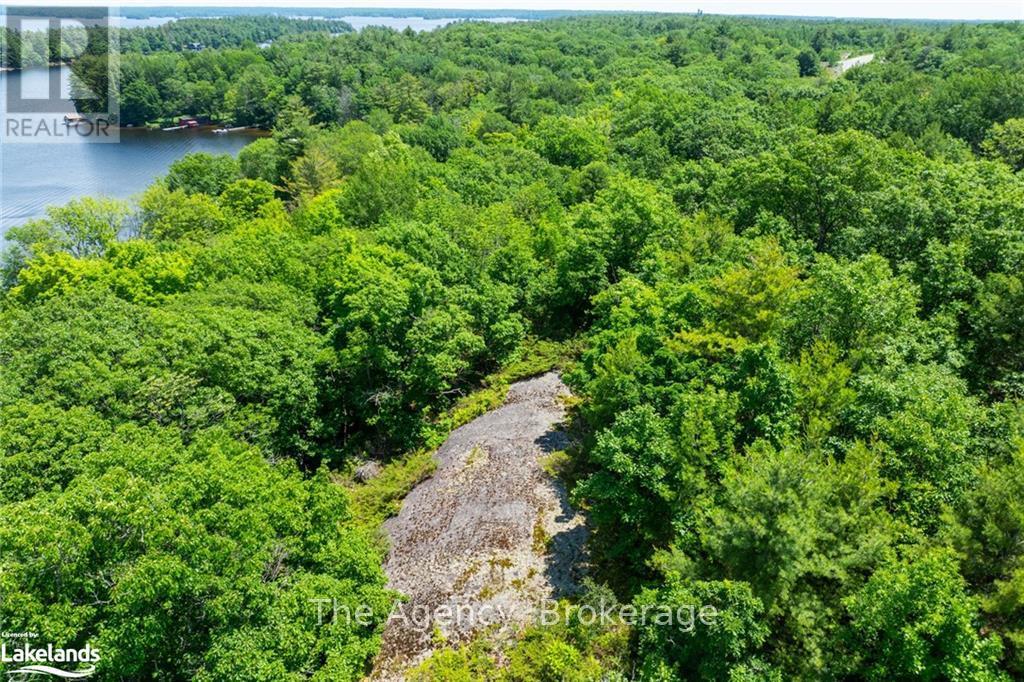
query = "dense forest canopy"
x=195 y=34
x=798 y=296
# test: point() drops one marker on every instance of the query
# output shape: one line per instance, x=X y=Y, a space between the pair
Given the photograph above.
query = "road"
x=847 y=64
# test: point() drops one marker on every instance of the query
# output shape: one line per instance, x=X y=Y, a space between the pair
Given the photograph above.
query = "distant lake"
x=402 y=23
x=36 y=175
x=358 y=22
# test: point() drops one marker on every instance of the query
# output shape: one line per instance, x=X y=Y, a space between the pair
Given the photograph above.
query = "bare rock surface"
x=490 y=535
x=367 y=471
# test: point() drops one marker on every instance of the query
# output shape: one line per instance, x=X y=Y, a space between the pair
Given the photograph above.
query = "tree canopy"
x=796 y=295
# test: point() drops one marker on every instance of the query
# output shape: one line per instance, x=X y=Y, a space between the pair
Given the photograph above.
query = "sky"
x=917 y=9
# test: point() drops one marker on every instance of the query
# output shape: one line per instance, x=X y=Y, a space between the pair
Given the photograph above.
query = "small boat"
x=73 y=119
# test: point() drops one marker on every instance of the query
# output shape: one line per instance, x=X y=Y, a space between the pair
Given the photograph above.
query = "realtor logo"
x=59 y=75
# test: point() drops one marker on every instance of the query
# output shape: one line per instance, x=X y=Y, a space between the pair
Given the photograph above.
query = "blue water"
x=35 y=175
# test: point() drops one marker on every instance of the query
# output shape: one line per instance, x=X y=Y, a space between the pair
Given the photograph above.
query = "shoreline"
x=51 y=65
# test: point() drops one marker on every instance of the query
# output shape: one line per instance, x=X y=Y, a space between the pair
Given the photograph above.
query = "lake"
x=402 y=23
x=36 y=175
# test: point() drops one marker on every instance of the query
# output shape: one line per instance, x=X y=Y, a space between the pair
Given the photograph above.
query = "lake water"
x=402 y=23
x=36 y=175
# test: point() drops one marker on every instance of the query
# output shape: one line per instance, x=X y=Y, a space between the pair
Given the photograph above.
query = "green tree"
x=311 y=174
x=713 y=632
x=809 y=63
x=261 y=160
x=985 y=530
x=998 y=336
x=245 y=198
x=402 y=98
x=573 y=142
x=204 y=173
x=257 y=96
x=1005 y=141
x=384 y=185
x=803 y=531
x=642 y=480
x=83 y=227
x=176 y=215
x=140 y=102
x=914 y=621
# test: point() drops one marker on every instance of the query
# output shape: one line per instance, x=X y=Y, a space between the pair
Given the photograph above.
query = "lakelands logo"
x=28 y=660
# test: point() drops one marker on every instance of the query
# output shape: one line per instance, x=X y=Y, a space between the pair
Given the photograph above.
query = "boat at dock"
x=184 y=123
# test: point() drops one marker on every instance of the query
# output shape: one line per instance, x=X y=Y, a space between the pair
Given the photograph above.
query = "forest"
x=21 y=48
x=790 y=298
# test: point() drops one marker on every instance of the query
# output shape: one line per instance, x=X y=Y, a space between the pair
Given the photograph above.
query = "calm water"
x=36 y=175
x=402 y=23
